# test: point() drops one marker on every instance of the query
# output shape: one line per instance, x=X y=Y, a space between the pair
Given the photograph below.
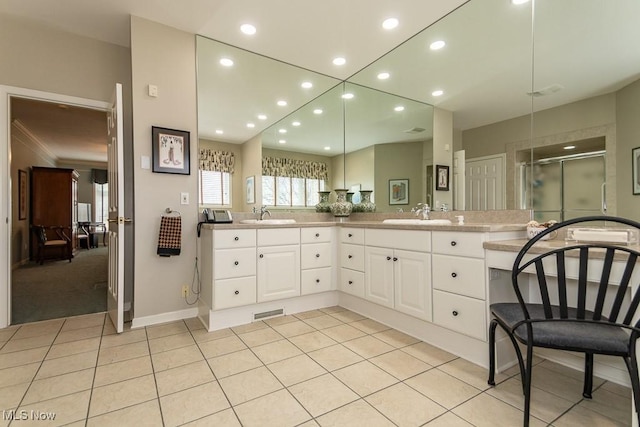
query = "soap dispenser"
x=460 y=219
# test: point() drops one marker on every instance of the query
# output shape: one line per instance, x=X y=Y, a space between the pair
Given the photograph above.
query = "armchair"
x=53 y=243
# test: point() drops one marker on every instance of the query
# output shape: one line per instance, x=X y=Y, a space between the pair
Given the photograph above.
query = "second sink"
x=268 y=221
x=415 y=221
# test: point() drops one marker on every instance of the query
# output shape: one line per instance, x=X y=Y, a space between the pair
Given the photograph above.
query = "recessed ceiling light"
x=226 y=62
x=219 y=131
x=519 y=1
x=296 y=123
x=327 y=148
x=569 y=147
x=437 y=45
x=384 y=76
x=339 y=61
x=306 y=85
x=262 y=117
x=282 y=130
x=248 y=29
x=317 y=111
x=282 y=103
x=390 y=23
x=251 y=125
x=399 y=108
x=348 y=95
x=437 y=92
x=282 y=141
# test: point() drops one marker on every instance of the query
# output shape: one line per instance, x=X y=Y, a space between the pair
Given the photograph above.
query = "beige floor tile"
x=561 y=385
x=396 y=338
x=183 y=377
x=79 y=334
x=145 y=414
x=470 y=373
x=174 y=358
x=310 y=423
x=618 y=389
x=260 y=337
x=309 y=314
x=84 y=321
x=368 y=346
x=322 y=394
x=171 y=342
x=121 y=371
x=164 y=330
x=400 y=364
x=611 y=405
x=18 y=374
x=323 y=321
x=278 y=409
x=275 y=351
x=24 y=357
x=7 y=333
x=335 y=357
x=332 y=309
x=226 y=418
x=347 y=316
x=221 y=346
x=358 y=413
x=405 y=406
x=369 y=326
x=296 y=370
x=67 y=409
x=194 y=324
x=342 y=333
x=365 y=378
x=544 y=405
x=201 y=335
x=51 y=388
x=193 y=403
x=249 y=327
x=448 y=419
x=66 y=364
x=74 y=347
x=515 y=369
x=109 y=329
x=442 y=388
x=281 y=320
x=583 y=417
x=569 y=372
x=484 y=410
x=248 y=385
x=11 y=396
x=234 y=363
x=429 y=354
x=46 y=327
x=122 y=394
x=123 y=352
x=291 y=329
x=130 y=337
x=21 y=344
x=312 y=341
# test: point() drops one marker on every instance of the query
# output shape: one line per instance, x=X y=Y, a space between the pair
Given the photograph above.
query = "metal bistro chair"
x=567 y=319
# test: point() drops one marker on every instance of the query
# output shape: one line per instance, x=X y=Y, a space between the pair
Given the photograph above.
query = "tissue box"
x=621 y=236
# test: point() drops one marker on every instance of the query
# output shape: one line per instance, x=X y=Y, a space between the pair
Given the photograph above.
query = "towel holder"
x=170 y=211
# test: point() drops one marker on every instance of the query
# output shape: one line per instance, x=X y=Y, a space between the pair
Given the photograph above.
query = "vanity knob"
x=350 y=235
x=395 y=258
x=454 y=312
x=237 y=292
x=350 y=256
x=350 y=282
x=388 y=258
x=236 y=263
x=454 y=275
x=317 y=234
x=453 y=243
x=236 y=238
x=261 y=256
x=317 y=280
x=317 y=255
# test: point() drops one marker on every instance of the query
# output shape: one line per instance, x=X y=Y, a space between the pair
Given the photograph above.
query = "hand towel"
x=170 y=236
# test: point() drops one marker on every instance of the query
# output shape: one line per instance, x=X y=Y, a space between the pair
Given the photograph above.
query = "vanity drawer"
x=408 y=240
x=315 y=255
x=234 y=292
x=462 y=276
x=316 y=234
x=278 y=236
x=352 y=282
x=458 y=243
x=352 y=256
x=352 y=235
x=315 y=280
x=227 y=239
x=230 y=263
x=461 y=314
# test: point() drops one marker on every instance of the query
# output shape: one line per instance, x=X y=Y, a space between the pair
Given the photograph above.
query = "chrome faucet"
x=262 y=212
x=422 y=209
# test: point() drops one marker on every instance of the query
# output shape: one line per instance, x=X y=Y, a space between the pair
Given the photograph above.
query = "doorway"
x=58 y=136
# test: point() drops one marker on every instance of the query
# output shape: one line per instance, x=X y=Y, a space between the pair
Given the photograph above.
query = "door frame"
x=6 y=93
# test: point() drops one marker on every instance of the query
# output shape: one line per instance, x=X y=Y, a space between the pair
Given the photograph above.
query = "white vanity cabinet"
x=316 y=260
x=278 y=263
x=351 y=261
x=398 y=270
x=234 y=268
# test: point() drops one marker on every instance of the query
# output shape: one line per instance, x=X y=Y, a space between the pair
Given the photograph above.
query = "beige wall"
x=628 y=138
x=158 y=280
x=401 y=160
x=252 y=161
x=237 y=183
x=360 y=170
x=442 y=153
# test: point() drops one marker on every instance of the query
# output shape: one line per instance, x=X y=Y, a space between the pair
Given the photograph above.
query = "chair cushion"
x=600 y=338
x=55 y=242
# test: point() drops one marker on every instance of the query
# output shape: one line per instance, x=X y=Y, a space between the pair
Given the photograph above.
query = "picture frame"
x=442 y=178
x=22 y=194
x=398 y=191
x=171 y=151
x=251 y=189
x=635 y=174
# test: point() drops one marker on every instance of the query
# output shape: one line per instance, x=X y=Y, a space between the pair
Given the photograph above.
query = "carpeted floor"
x=60 y=288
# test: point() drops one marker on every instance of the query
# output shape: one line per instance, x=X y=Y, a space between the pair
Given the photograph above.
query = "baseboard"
x=139 y=322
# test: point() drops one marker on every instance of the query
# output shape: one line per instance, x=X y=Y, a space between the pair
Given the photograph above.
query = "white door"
x=458 y=181
x=378 y=276
x=278 y=272
x=412 y=279
x=115 y=290
x=484 y=183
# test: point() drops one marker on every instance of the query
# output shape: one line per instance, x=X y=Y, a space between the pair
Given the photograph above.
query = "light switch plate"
x=153 y=91
x=145 y=162
x=184 y=198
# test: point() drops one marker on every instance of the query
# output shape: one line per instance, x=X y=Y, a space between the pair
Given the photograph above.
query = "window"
x=292 y=192
x=215 y=188
x=101 y=196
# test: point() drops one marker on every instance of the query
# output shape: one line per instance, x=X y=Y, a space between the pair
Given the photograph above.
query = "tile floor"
x=328 y=367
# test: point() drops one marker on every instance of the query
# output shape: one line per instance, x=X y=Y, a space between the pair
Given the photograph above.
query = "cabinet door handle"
x=388 y=258
x=350 y=235
x=317 y=255
x=454 y=275
x=350 y=256
x=236 y=263
x=453 y=243
x=237 y=292
x=350 y=282
x=395 y=258
x=261 y=256
x=317 y=234
x=317 y=280
x=454 y=312
x=236 y=238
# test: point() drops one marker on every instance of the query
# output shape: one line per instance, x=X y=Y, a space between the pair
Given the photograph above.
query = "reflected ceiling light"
x=248 y=29
x=282 y=103
x=219 y=131
x=317 y=111
x=437 y=45
x=339 y=61
x=399 y=108
x=347 y=95
x=519 y=1
x=384 y=76
x=569 y=147
x=306 y=85
x=282 y=130
x=282 y=141
x=327 y=148
x=251 y=125
x=226 y=62
x=437 y=92
x=296 y=123
x=390 y=23
x=262 y=117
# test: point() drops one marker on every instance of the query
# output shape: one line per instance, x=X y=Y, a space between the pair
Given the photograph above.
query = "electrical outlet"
x=185 y=291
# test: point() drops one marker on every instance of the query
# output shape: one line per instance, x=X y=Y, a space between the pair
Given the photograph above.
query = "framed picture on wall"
x=635 y=155
x=22 y=194
x=170 y=148
x=398 y=191
x=442 y=177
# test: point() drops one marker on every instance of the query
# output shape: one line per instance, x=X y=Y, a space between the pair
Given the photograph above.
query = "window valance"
x=99 y=176
x=216 y=160
x=292 y=168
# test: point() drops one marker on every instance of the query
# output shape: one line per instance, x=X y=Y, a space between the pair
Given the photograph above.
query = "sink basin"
x=416 y=221
x=268 y=221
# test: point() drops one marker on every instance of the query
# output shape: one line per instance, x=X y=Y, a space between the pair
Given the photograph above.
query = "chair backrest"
x=596 y=281
x=41 y=233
